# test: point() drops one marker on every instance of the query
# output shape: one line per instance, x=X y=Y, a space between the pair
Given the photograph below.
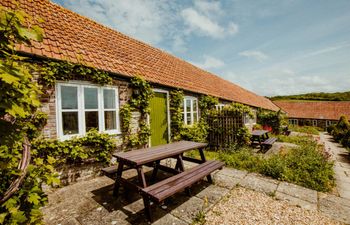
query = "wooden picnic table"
x=259 y=136
x=182 y=179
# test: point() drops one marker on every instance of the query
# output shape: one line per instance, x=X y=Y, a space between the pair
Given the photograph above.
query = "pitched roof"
x=315 y=110
x=69 y=36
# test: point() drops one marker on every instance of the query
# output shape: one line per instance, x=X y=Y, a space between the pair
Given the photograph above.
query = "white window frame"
x=81 y=109
x=191 y=98
x=293 y=122
x=219 y=106
x=314 y=123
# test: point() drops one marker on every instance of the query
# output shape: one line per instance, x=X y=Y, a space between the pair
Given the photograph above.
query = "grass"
x=305 y=129
x=305 y=165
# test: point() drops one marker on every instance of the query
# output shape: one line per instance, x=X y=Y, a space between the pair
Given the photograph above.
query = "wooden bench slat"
x=269 y=141
x=177 y=185
x=172 y=178
x=174 y=184
x=110 y=170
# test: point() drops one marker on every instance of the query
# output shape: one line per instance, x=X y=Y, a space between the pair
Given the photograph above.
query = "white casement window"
x=190 y=110
x=314 y=123
x=329 y=123
x=293 y=121
x=82 y=107
x=219 y=106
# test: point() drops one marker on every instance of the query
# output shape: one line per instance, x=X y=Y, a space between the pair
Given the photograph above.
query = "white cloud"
x=150 y=21
x=203 y=19
x=208 y=7
x=179 y=44
x=258 y=55
x=209 y=63
x=286 y=81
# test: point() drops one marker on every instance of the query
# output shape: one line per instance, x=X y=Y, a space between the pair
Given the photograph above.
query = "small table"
x=136 y=159
x=259 y=136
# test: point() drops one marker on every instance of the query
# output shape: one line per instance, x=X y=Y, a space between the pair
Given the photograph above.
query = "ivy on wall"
x=139 y=102
x=53 y=71
x=20 y=120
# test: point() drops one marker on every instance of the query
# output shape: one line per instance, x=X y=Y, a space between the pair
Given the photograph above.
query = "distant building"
x=314 y=113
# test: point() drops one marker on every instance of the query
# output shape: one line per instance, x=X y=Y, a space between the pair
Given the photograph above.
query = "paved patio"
x=341 y=165
x=91 y=202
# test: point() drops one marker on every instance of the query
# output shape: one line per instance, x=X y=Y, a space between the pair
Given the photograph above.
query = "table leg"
x=201 y=152
x=155 y=170
x=181 y=168
x=141 y=177
x=117 y=180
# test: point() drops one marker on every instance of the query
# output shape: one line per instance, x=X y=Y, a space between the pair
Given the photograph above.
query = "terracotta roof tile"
x=74 y=37
x=315 y=110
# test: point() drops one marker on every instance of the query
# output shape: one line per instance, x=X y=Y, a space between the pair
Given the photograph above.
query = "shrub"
x=330 y=128
x=257 y=127
x=340 y=130
x=305 y=165
x=305 y=129
x=271 y=119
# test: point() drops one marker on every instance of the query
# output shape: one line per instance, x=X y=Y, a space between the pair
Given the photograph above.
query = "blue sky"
x=273 y=47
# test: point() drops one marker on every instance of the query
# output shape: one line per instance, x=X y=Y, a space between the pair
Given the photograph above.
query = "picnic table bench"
x=159 y=191
x=261 y=137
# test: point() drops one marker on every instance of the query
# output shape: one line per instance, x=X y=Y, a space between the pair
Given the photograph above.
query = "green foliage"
x=240 y=109
x=275 y=120
x=18 y=118
x=298 y=140
x=321 y=96
x=304 y=129
x=176 y=108
x=305 y=165
x=18 y=97
x=94 y=145
x=53 y=71
x=197 y=132
x=207 y=103
x=243 y=136
x=140 y=100
x=341 y=131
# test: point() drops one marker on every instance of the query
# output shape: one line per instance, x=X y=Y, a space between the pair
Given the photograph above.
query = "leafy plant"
x=139 y=102
x=271 y=119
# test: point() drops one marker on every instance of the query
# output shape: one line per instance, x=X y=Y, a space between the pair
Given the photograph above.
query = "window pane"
x=70 y=123
x=109 y=98
x=188 y=105
x=69 y=97
x=189 y=118
x=90 y=98
x=110 y=120
x=194 y=105
x=91 y=120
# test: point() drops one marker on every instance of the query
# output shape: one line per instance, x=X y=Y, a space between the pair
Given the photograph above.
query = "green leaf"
x=16 y=111
x=2 y=217
x=29 y=34
x=8 y=78
x=51 y=160
x=34 y=198
x=19 y=217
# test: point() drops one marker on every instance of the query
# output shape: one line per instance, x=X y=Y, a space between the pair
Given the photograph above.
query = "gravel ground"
x=244 y=206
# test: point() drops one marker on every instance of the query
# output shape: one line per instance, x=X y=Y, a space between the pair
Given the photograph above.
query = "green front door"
x=159 y=119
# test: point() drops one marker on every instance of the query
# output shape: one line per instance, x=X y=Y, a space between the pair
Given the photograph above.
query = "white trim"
x=81 y=108
x=191 y=98
x=168 y=114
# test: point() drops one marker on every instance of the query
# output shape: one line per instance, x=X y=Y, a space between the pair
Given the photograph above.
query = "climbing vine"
x=139 y=102
x=176 y=113
x=195 y=132
x=52 y=71
x=20 y=121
